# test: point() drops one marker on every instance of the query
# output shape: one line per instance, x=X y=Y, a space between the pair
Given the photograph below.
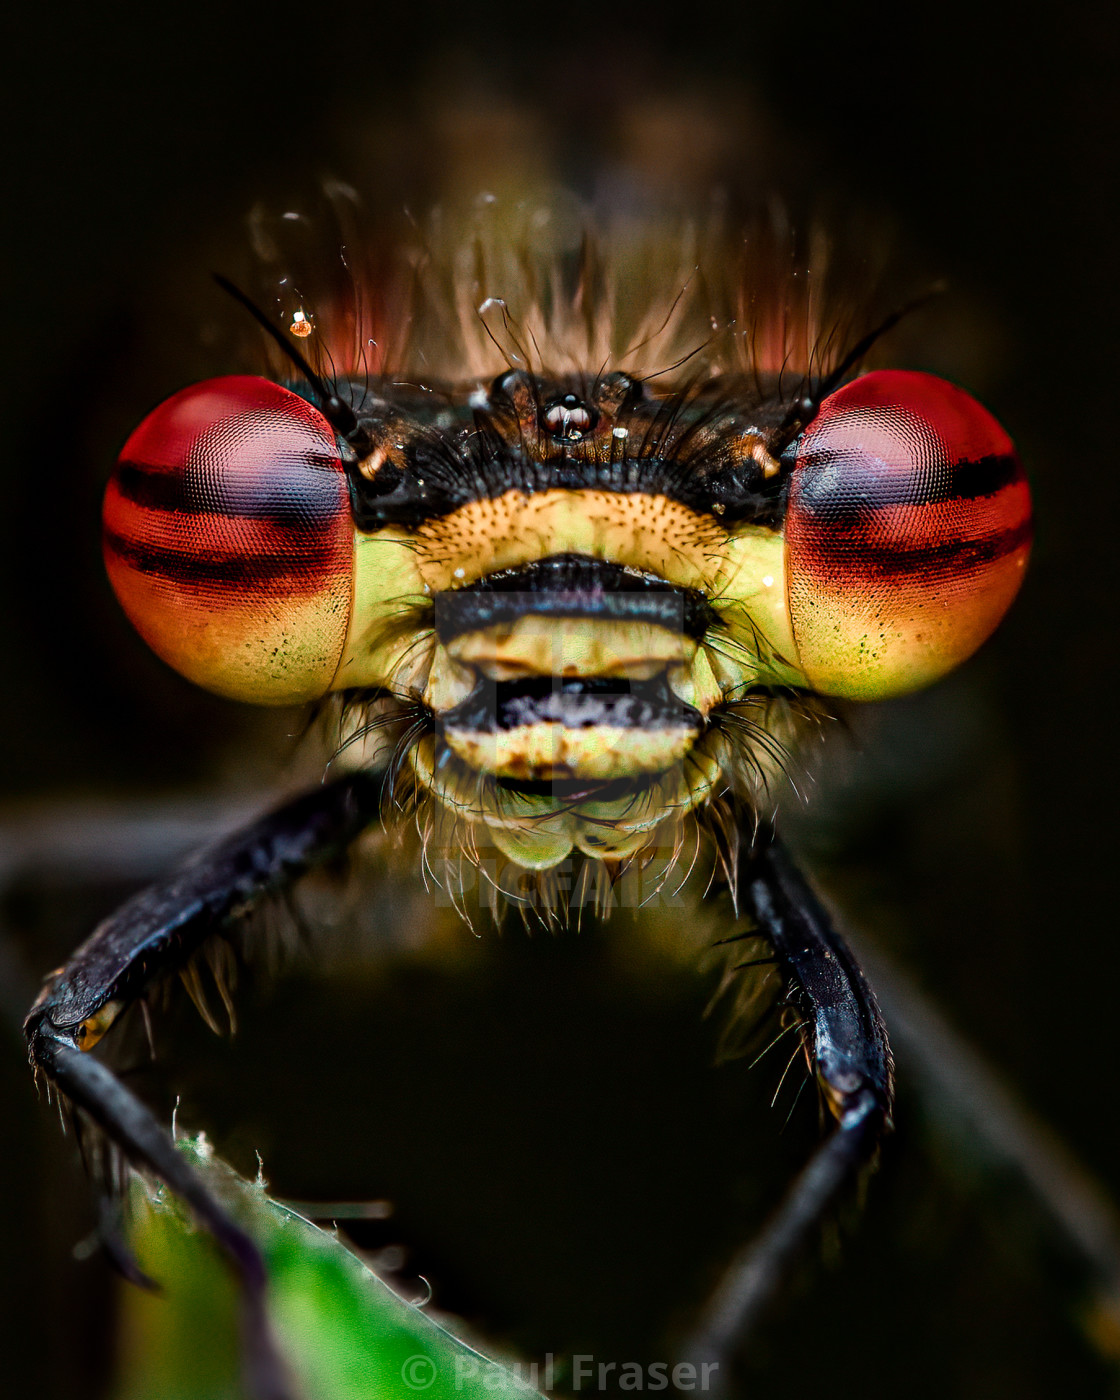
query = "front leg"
x=154 y=934
x=846 y=1043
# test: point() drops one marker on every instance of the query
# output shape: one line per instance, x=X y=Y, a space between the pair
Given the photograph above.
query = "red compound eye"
x=228 y=539
x=907 y=534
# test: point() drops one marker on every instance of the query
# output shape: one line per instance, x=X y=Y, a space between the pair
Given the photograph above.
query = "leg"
x=154 y=934
x=846 y=1043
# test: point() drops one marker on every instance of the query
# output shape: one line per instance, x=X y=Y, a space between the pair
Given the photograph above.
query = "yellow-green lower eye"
x=907 y=534
x=228 y=539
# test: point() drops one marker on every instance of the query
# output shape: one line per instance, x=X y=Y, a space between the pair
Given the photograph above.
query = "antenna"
x=805 y=408
x=338 y=412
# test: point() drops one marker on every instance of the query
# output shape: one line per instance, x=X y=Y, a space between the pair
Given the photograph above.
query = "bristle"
x=193 y=983
x=548 y=282
x=146 y=1015
x=223 y=968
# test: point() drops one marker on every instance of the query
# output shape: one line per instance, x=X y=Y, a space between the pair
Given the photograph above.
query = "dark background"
x=971 y=831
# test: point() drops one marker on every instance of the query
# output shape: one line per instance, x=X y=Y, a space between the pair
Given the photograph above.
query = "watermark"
x=581 y=1373
x=419 y=1372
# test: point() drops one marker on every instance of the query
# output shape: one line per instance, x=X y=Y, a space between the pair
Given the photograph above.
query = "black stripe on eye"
x=827 y=494
x=956 y=556
x=972 y=480
x=304 y=571
x=301 y=497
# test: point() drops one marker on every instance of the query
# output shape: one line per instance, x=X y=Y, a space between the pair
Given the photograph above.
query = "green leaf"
x=345 y=1334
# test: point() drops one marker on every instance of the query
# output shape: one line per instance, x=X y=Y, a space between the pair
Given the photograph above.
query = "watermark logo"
x=419 y=1372
x=581 y=1373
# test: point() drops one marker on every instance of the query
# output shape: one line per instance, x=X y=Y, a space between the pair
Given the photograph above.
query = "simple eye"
x=907 y=534
x=228 y=539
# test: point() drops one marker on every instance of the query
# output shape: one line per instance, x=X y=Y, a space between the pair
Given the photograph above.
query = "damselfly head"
x=592 y=576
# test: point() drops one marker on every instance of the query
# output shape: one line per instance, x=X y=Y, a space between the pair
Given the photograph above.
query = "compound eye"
x=907 y=533
x=229 y=543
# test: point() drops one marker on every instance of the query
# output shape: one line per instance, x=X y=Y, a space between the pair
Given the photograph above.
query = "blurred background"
x=565 y=1164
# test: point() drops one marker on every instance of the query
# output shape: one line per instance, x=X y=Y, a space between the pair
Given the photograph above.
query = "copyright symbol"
x=418 y=1372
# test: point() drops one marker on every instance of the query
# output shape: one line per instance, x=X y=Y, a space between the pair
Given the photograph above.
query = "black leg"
x=156 y=933
x=846 y=1043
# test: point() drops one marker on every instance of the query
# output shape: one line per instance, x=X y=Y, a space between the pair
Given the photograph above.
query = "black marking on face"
x=574 y=702
x=570 y=585
x=443 y=449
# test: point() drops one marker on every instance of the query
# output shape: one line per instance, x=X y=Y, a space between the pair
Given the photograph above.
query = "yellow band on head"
x=741 y=574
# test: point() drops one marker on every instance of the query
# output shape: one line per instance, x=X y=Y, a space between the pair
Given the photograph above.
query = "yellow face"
x=572 y=648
